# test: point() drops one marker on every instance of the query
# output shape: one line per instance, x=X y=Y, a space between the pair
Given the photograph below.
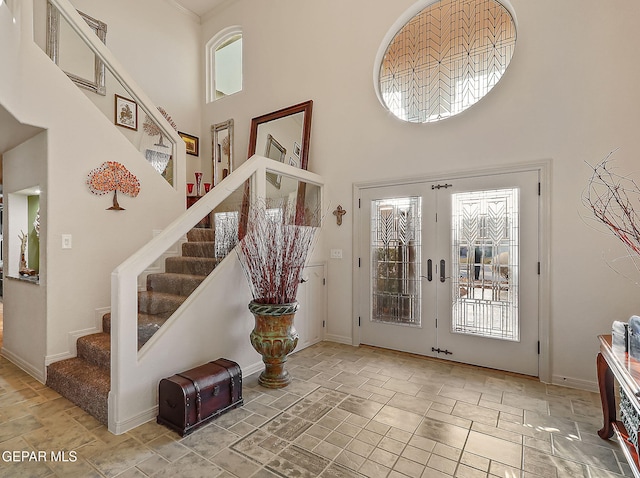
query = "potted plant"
x=273 y=253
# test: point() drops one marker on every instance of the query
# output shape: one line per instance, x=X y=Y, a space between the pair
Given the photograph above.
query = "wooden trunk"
x=192 y=398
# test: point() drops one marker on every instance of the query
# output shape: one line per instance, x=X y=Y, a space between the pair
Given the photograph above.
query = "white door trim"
x=544 y=170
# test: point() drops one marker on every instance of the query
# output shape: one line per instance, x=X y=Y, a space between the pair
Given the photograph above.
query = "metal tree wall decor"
x=113 y=176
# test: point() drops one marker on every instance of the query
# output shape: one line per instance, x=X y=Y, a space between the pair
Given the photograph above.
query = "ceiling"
x=200 y=7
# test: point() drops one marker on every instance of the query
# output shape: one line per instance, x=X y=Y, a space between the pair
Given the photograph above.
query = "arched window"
x=224 y=64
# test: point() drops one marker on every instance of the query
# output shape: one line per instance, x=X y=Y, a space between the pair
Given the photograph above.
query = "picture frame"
x=222 y=150
x=293 y=162
x=296 y=149
x=126 y=113
x=192 y=143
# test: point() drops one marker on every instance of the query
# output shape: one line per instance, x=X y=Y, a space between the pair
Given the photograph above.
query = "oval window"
x=445 y=59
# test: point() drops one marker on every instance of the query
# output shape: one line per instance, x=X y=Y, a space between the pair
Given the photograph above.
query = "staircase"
x=86 y=379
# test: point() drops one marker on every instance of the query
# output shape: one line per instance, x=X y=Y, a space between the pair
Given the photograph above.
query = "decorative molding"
x=184 y=10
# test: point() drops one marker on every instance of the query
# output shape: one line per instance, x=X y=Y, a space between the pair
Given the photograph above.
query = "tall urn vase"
x=274 y=337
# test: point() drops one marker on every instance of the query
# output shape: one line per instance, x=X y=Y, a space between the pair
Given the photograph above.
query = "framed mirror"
x=72 y=55
x=222 y=150
x=276 y=151
x=290 y=126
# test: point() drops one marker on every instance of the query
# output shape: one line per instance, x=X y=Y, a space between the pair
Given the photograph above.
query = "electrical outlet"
x=336 y=253
x=66 y=241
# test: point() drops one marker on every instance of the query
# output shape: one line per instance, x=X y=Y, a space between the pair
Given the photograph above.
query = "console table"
x=617 y=364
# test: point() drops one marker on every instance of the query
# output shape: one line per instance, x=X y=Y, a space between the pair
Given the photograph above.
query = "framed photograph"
x=192 y=143
x=296 y=149
x=126 y=114
x=293 y=162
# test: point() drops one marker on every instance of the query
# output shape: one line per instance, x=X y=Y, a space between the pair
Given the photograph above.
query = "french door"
x=450 y=269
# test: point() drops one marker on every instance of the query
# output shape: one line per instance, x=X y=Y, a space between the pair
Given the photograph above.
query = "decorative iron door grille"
x=485 y=264
x=395 y=260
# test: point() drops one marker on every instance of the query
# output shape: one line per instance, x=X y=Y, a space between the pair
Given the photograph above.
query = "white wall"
x=569 y=95
x=79 y=139
x=24 y=303
x=159 y=46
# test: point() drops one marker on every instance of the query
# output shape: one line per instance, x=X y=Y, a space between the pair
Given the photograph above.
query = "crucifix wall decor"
x=338 y=213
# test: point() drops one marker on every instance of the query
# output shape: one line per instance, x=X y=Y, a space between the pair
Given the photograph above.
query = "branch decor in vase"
x=273 y=253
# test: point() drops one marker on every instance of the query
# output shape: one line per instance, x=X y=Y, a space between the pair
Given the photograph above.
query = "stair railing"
x=128 y=85
x=124 y=279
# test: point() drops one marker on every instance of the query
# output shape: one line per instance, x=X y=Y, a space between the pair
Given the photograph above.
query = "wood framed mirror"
x=69 y=52
x=290 y=126
x=222 y=149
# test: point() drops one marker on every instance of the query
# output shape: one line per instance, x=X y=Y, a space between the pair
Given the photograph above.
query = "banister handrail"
x=88 y=36
x=124 y=279
x=139 y=260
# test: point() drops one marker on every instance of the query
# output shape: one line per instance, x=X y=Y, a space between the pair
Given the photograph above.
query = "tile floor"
x=349 y=412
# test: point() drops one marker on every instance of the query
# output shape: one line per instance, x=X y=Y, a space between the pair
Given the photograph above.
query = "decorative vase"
x=198 y=182
x=274 y=337
x=207 y=187
x=189 y=188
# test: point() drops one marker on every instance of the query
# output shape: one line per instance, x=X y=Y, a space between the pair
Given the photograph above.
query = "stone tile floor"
x=349 y=412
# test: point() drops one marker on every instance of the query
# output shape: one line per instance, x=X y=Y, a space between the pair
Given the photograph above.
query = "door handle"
x=429 y=270
x=303 y=280
x=442 y=274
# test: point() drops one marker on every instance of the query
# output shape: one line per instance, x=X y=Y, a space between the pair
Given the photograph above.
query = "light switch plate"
x=336 y=253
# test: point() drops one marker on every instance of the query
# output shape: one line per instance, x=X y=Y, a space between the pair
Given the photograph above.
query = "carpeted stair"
x=85 y=380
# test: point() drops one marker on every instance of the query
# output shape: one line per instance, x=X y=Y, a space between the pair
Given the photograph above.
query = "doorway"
x=450 y=269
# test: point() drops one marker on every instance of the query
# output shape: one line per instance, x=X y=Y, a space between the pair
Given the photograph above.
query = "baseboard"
x=123 y=427
x=253 y=368
x=15 y=359
x=49 y=359
x=580 y=384
x=98 y=314
x=340 y=339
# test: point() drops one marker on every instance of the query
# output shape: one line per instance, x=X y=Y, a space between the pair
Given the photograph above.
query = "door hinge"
x=538 y=267
x=538 y=347
x=323 y=324
x=324 y=281
x=436 y=323
x=441 y=186
x=438 y=350
x=539 y=188
x=358 y=321
x=359 y=203
x=359 y=262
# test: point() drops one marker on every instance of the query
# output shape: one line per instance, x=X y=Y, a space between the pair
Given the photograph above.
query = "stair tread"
x=163 y=295
x=95 y=349
x=100 y=340
x=177 y=275
x=192 y=259
x=78 y=369
x=82 y=383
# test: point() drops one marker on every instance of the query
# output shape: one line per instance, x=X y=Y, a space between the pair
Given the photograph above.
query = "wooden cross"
x=338 y=213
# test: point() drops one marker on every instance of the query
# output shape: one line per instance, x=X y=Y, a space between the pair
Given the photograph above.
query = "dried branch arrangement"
x=274 y=251
x=614 y=200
